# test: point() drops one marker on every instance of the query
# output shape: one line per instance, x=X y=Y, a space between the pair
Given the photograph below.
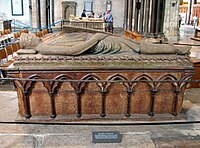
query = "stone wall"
x=170 y=28
x=34 y=14
x=6 y=13
x=99 y=7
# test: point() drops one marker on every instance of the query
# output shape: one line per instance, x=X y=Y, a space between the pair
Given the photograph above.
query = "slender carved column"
x=79 y=110
x=128 y=111
x=147 y=11
x=103 y=110
x=141 y=16
x=153 y=16
x=190 y=7
x=26 y=105
x=176 y=92
x=47 y=20
x=161 y=14
x=30 y=13
x=38 y=15
x=53 y=108
x=49 y=17
x=153 y=94
x=158 y=17
x=130 y=15
x=137 y=8
x=126 y=14
x=52 y=12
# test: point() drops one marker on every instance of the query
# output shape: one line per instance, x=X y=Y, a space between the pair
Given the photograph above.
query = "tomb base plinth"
x=93 y=88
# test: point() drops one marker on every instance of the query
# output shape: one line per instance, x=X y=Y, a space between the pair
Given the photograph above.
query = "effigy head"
x=29 y=41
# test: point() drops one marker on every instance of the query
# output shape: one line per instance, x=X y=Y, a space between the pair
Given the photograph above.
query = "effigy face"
x=75 y=76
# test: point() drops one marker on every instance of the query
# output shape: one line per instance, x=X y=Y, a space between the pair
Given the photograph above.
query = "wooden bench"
x=132 y=35
x=196 y=76
x=4 y=63
x=4 y=32
x=17 y=34
x=41 y=33
x=6 y=57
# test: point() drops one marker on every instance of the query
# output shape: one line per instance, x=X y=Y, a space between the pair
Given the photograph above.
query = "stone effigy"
x=73 y=44
x=82 y=74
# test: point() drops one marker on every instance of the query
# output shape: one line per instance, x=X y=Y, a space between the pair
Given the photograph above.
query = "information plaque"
x=106 y=137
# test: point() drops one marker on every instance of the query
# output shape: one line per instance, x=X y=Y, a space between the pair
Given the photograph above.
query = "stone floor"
x=186 y=34
x=183 y=133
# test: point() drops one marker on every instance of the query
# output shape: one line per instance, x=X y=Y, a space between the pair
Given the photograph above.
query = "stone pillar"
x=130 y=15
x=153 y=17
x=34 y=14
x=136 y=16
x=126 y=14
x=141 y=25
x=46 y=12
x=52 y=12
x=147 y=12
x=161 y=13
x=171 y=16
x=57 y=10
x=190 y=10
x=148 y=17
x=158 y=17
x=43 y=13
x=48 y=15
x=30 y=13
x=38 y=10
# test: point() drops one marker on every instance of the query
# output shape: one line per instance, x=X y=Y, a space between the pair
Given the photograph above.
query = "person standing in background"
x=83 y=13
x=179 y=21
x=195 y=19
x=109 y=21
x=92 y=14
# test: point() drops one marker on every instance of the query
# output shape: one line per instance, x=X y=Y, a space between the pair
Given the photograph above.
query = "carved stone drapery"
x=68 y=8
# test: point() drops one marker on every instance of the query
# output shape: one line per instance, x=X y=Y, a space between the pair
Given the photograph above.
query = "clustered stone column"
x=42 y=13
x=146 y=17
x=171 y=17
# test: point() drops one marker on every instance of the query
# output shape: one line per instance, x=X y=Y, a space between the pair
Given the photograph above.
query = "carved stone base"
x=98 y=93
x=109 y=119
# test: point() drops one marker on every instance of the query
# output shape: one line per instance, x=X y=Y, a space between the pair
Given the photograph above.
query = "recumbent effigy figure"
x=99 y=43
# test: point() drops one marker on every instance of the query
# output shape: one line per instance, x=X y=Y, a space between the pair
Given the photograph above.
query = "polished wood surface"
x=196 y=76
